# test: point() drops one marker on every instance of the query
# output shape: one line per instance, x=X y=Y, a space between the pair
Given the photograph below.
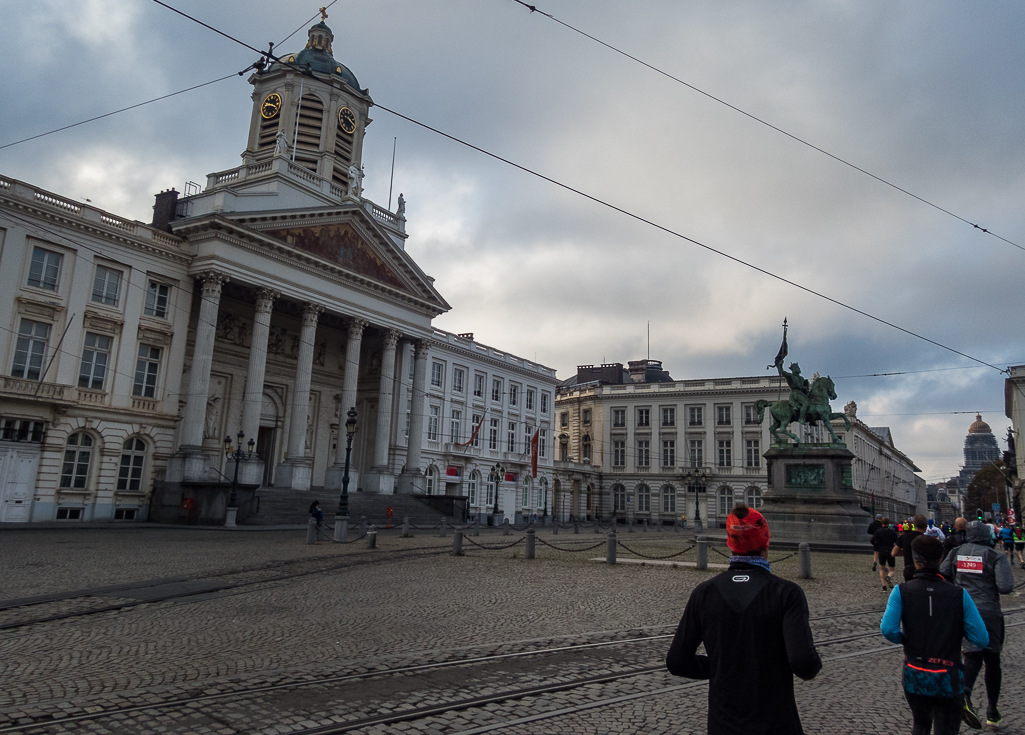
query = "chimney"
x=164 y=209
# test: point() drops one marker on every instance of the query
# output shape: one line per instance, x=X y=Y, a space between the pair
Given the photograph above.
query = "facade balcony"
x=724 y=470
x=670 y=469
x=754 y=470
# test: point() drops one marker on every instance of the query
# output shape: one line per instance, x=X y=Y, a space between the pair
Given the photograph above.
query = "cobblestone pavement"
x=216 y=614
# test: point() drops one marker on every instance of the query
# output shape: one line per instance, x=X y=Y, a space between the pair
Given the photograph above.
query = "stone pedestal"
x=294 y=473
x=334 y=476
x=380 y=482
x=811 y=495
x=409 y=483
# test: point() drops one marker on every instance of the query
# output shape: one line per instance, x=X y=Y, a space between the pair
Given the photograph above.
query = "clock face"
x=270 y=105
x=347 y=119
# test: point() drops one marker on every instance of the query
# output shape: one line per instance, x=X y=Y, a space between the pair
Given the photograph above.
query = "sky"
x=929 y=96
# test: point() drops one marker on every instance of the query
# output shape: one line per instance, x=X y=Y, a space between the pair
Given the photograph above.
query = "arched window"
x=471 y=488
x=668 y=499
x=754 y=497
x=619 y=498
x=492 y=482
x=133 y=462
x=526 y=491
x=77 y=458
x=725 y=500
x=643 y=499
x=432 y=480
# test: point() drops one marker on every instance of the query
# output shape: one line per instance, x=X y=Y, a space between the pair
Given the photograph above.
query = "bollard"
x=362 y=525
x=311 y=531
x=444 y=527
x=457 y=543
x=372 y=537
x=341 y=529
x=629 y=525
x=610 y=550
x=555 y=526
x=804 y=554
x=676 y=526
x=576 y=526
x=597 y=526
x=505 y=527
x=405 y=528
x=476 y=526
x=658 y=526
x=702 y=553
x=645 y=528
x=529 y=554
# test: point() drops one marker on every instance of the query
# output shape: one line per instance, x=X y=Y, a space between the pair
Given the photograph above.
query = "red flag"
x=474 y=434
x=533 y=453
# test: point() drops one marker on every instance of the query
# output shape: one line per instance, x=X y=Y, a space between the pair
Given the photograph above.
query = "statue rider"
x=800 y=389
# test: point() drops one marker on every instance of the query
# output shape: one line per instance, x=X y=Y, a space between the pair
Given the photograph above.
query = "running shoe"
x=993 y=718
x=874 y=565
x=969 y=715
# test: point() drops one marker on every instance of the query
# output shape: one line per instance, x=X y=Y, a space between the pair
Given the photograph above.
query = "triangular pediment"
x=340 y=243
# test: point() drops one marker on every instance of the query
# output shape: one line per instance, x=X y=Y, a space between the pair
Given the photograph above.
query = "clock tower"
x=309 y=108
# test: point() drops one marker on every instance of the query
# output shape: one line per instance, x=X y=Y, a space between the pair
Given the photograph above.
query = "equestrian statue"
x=807 y=404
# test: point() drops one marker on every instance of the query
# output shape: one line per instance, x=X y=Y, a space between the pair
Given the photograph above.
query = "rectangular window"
x=544 y=403
x=477 y=437
x=618 y=418
x=530 y=399
x=726 y=453
x=564 y=419
x=412 y=364
x=644 y=417
x=455 y=425
x=496 y=391
x=437 y=375
x=620 y=499
x=478 y=386
x=750 y=414
x=696 y=453
x=643 y=453
x=493 y=434
x=587 y=417
x=669 y=453
x=124 y=514
x=156 y=300
x=696 y=415
x=668 y=500
x=433 y=417
x=409 y=414
x=106 y=286
x=619 y=454
x=510 y=437
x=514 y=395
x=45 y=269
x=644 y=499
x=95 y=355
x=723 y=416
x=669 y=415
x=457 y=380
x=471 y=489
x=30 y=350
x=542 y=444
x=129 y=475
x=528 y=434
x=754 y=457
x=69 y=514
x=146 y=369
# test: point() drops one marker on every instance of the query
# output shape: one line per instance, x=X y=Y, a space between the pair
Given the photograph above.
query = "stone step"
x=292 y=507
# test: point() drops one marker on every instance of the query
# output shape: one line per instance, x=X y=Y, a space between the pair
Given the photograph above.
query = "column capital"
x=310 y=313
x=265 y=298
x=391 y=339
x=356 y=327
x=421 y=347
x=212 y=282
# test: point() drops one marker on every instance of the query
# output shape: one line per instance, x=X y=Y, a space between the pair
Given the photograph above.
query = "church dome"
x=979 y=426
x=317 y=56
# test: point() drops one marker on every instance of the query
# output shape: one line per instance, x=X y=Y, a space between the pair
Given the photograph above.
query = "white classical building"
x=271 y=303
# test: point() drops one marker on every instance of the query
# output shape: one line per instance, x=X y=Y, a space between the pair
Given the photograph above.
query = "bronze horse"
x=818 y=411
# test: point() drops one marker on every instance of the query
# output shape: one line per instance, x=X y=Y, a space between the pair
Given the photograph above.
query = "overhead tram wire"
x=614 y=207
x=535 y=9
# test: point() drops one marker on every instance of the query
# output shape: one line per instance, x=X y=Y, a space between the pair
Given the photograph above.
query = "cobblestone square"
x=139 y=630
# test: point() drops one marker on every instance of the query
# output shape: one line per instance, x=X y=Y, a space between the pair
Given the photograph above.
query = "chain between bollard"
x=495 y=548
x=571 y=550
x=646 y=556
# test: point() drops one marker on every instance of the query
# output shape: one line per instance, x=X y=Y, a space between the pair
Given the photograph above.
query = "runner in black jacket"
x=755 y=629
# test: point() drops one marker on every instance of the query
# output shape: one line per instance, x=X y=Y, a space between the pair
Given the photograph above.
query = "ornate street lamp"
x=498 y=472
x=342 y=514
x=239 y=455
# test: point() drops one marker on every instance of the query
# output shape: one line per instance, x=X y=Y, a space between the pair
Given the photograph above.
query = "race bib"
x=969 y=564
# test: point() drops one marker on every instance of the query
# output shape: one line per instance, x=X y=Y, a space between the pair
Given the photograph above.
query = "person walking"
x=1019 y=544
x=1007 y=537
x=930 y=616
x=934 y=530
x=874 y=526
x=985 y=574
x=956 y=537
x=903 y=545
x=755 y=629
x=883 y=541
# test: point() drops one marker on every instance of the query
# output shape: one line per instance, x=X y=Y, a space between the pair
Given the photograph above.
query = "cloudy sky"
x=927 y=95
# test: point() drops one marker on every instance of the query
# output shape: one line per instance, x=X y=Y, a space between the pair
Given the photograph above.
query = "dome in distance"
x=317 y=56
x=979 y=426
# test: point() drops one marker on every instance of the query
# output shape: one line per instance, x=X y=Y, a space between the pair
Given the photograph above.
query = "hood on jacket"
x=978 y=533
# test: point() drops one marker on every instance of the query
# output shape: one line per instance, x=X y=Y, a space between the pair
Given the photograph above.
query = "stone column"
x=350 y=382
x=411 y=480
x=202 y=359
x=380 y=479
x=296 y=471
x=252 y=402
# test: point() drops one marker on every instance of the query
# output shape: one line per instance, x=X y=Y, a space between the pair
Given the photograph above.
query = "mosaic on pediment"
x=340 y=244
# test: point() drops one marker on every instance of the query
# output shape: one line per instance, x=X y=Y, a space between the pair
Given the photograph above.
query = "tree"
x=987 y=487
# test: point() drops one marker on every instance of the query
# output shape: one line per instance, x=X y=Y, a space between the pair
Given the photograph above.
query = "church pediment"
x=341 y=244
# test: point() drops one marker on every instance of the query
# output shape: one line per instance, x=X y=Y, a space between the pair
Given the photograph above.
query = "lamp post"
x=342 y=514
x=239 y=455
x=498 y=472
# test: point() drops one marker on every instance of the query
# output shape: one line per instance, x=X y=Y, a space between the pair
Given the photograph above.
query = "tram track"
x=419 y=713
